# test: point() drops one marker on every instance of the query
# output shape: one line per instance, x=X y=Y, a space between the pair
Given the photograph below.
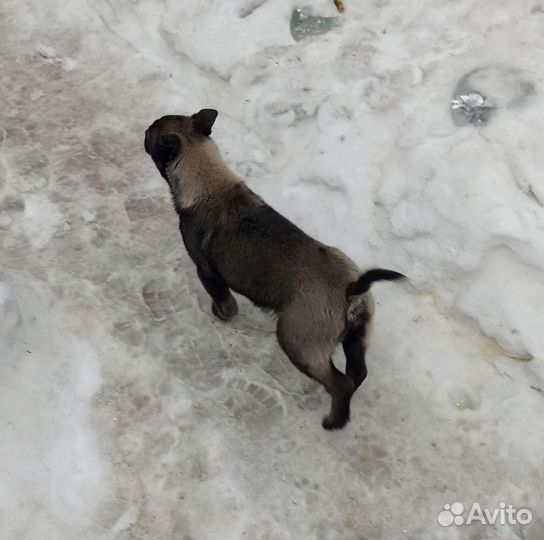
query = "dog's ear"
x=203 y=121
x=167 y=147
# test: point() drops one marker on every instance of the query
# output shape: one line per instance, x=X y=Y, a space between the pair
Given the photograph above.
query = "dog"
x=239 y=243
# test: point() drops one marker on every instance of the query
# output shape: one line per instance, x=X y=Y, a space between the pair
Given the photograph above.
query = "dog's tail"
x=363 y=284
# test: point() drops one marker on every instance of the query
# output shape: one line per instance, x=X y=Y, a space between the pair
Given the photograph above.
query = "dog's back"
x=263 y=255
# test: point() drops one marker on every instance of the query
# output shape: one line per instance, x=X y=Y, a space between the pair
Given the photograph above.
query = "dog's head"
x=169 y=137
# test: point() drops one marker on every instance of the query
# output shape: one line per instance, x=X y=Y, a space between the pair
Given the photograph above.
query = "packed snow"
x=128 y=411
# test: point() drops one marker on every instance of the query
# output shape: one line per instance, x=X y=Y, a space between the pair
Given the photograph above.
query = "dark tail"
x=363 y=284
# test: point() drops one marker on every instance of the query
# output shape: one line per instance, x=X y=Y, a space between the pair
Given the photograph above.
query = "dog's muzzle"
x=146 y=141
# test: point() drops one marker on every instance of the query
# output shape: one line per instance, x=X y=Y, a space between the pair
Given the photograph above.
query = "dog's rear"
x=239 y=243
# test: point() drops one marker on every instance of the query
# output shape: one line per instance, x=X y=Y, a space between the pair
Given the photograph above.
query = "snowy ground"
x=128 y=411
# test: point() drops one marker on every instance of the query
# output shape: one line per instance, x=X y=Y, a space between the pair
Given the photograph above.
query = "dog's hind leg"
x=354 y=349
x=315 y=362
x=341 y=388
x=224 y=305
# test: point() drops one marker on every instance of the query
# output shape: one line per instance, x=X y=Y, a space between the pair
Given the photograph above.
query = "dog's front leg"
x=224 y=305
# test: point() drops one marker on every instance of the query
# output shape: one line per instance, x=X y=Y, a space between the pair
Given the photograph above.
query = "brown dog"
x=238 y=242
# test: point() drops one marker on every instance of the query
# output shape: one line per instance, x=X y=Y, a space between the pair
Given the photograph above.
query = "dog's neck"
x=200 y=174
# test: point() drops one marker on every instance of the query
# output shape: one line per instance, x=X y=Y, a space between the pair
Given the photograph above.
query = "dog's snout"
x=146 y=141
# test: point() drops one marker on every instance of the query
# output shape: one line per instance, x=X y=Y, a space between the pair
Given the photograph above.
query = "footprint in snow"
x=256 y=404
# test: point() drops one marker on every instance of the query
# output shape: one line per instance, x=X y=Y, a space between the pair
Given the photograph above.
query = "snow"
x=127 y=411
x=51 y=468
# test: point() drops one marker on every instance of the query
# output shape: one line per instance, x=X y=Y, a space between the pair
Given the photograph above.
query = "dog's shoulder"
x=259 y=217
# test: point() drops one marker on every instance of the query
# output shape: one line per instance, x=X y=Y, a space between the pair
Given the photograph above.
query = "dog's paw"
x=331 y=423
x=227 y=310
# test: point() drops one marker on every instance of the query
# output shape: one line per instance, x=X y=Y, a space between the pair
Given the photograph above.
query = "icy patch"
x=304 y=24
x=484 y=89
x=476 y=108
